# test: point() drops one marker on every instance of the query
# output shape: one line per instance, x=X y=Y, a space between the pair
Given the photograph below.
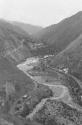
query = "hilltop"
x=58 y=36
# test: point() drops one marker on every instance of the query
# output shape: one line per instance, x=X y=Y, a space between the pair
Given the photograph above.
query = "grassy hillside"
x=14 y=48
x=71 y=58
x=10 y=73
x=60 y=35
x=14 y=42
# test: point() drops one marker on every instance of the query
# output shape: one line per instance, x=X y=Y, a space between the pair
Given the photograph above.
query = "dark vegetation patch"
x=33 y=99
x=53 y=111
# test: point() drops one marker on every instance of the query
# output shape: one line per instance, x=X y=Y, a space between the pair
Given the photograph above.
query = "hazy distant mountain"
x=60 y=35
x=71 y=58
x=30 y=29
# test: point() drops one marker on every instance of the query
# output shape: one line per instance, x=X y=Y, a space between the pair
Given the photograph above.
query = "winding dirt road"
x=59 y=91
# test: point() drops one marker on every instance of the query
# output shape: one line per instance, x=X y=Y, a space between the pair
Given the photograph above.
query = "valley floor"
x=54 y=94
x=60 y=90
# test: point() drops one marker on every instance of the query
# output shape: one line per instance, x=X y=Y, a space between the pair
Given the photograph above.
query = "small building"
x=65 y=70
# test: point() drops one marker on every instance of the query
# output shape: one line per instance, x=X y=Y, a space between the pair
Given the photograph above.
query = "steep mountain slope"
x=71 y=58
x=30 y=29
x=14 y=47
x=9 y=72
x=59 y=36
x=10 y=77
x=45 y=32
x=14 y=42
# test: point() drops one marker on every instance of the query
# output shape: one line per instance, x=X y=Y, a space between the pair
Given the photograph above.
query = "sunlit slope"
x=58 y=36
